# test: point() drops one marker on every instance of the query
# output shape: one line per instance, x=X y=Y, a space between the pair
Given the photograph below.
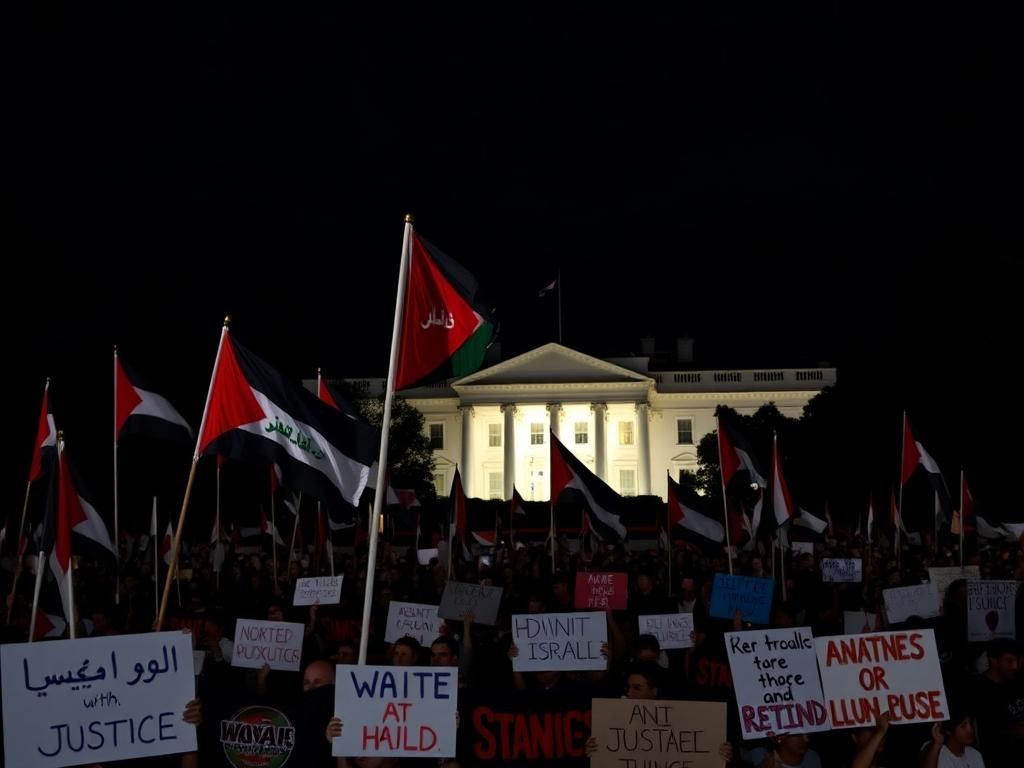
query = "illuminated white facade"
x=629 y=425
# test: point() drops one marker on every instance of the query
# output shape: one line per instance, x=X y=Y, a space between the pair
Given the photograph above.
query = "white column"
x=554 y=418
x=600 y=415
x=509 y=442
x=644 y=444
x=466 y=412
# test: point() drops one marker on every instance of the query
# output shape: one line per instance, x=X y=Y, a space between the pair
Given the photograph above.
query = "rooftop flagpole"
x=382 y=461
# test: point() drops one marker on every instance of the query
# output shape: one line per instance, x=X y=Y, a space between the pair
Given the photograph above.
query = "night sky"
x=822 y=182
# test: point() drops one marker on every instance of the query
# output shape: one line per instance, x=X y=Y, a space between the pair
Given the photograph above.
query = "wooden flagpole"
x=725 y=500
x=117 y=543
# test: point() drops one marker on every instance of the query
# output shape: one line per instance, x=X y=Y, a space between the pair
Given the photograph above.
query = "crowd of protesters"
x=983 y=681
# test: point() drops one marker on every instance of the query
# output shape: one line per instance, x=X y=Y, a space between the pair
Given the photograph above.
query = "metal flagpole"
x=117 y=543
x=273 y=527
x=156 y=562
x=216 y=527
x=40 y=566
x=19 y=554
x=725 y=501
x=389 y=394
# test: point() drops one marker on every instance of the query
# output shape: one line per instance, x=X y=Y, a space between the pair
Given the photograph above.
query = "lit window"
x=625 y=433
x=582 y=433
x=537 y=434
x=684 y=431
x=494 y=435
x=437 y=437
x=627 y=482
x=495 y=485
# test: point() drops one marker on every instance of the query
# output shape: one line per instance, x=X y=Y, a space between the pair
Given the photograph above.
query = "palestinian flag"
x=252 y=414
x=44 y=450
x=782 y=501
x=331 y=395
x=736 y=456
x=569 y=477
x=684 y=518
x=446 y=324
x=138 y=409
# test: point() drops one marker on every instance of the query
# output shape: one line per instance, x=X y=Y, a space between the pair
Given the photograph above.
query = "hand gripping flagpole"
x=176 y=545
x=382 y=461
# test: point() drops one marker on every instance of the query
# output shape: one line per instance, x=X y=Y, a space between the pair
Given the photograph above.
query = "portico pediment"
x=551 y=364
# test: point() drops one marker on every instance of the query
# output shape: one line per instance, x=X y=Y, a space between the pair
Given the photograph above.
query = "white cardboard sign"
x=99 y=699
x=559 y=641
x=673 y=630
x=842 y=570
x=322 y=590
x=775 y=676
x=277 y=643
x=396 y=711
x=460 y=598
x=990 y=610
x=903 y=602
x=413 y=619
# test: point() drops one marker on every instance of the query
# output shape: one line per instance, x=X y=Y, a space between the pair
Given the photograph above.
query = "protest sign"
x=601 y=591
x=322 y=590
x=802 y=547
x=559 y=641
x=633 y=733
x=523 y=729
x=775 y=674
x=424 y=556
x=990 y=610
x=100 y=699
x=864 y=676
x=942 y=577
x=903 y=602
x=460 y=598
x=414 y=620
x=257 y=735
x=859 y=622
x=673 y=630
x=277 y=643
x=843 y=570
x=396 y=711
x=750 y=595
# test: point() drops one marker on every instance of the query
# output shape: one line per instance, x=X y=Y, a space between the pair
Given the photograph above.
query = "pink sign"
x=601 y=591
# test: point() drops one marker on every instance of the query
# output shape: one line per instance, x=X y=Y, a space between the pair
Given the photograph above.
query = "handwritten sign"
x=601 y=591
x=750 y=595
x=990 y=610
x=460 y=598
x=843 y=570
x=866 y=675
x=673 y=630
x=559 y=641
x=424 y=556
x=396 y=711
x=903 y=602
x=775 y=675
x=413 y=619
x=277 y=643
x=69 y=702
x=632 y=733
x=323 y=590
x=942 y=577
x=857 y=622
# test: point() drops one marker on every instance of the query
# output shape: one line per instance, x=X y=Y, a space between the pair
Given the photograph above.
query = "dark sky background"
x=790 y=185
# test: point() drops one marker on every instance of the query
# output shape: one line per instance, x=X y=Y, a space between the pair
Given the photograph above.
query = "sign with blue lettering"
x=96 y=700
x=396 y=711
x=747 y=594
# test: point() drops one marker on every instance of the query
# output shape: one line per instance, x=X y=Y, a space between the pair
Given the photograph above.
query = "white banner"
x=413 y=619
x=990 y=610
x=775 y=678
x=322 y=590
x=396 y=711
x=843 y=570
x=866 y=675
x=559 y=641
x=673 y=630
x=69 y=702
x=277 y=643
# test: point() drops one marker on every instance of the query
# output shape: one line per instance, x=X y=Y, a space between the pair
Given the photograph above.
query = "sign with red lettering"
x=396 y=711
x=601 y=591
x=896 y=672
x=277 y=643
x=776 y=682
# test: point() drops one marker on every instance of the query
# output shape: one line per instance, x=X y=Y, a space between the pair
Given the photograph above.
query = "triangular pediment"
x=552 y=364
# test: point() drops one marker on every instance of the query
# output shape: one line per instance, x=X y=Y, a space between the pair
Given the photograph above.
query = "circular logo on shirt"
x=257 y=737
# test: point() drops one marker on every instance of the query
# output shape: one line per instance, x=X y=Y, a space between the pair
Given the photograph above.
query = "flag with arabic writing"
x=446 y=324
x=254 y=415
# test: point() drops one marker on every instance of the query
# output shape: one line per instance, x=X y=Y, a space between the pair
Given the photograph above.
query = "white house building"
x=629 y=425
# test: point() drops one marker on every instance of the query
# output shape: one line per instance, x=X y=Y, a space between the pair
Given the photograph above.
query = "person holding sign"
x=950 y=746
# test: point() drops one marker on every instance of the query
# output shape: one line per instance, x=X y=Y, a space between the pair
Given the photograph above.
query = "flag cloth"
x=735 y=455
x=166 y=544
x=925 y=499
x=446 y=324
x=807 y=521
x=602 y=504
x=459 y=522
x=782 y=501
x=871 y=520
x=44 y=451
x=684 y=517
x=138 y=409
x=547 y=288
x=254 y=415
